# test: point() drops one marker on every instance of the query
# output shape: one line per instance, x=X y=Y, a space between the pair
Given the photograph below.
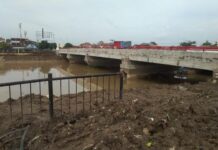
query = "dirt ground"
x=158 y=117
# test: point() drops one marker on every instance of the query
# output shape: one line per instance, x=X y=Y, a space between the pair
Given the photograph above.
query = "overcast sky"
x=167 y=22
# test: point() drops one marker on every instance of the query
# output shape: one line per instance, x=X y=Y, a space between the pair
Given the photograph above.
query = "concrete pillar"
x=76 y=59
x=215 y=76
x=102 y=62
x=139 y=69
x=62 y=55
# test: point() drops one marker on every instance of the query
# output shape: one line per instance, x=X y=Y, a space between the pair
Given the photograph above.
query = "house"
x=2 y=40
x=86 y=45
x=21 y=43
x=106 y=45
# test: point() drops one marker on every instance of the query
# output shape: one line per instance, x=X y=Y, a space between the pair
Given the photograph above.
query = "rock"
x=60 y=125
x=91 y=117
x=138 y=136
x=173 y=130
x=101 y=145
x=149 y=144
x=151 y=118
x=182 y=88
x=135 y=100
x=88 y=147
x=212 y=111
x=172 y=148
x=214 y=81
x=192 y=109
x=146 y=131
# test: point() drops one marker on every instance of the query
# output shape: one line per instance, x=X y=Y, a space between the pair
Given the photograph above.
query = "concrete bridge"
x=140 y=62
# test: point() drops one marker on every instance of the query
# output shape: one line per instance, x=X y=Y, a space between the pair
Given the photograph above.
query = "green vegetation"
x=44 y=45
x=149 y=44
x=207 y=43
x=4 y=46
x=68 y=45
x=153 y=43
x=188 y=43
x=52 y=46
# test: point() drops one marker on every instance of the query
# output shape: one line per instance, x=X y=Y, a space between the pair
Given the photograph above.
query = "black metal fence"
x=107 y=86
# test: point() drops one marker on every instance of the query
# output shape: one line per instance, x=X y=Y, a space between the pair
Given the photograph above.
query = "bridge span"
x=140 y=61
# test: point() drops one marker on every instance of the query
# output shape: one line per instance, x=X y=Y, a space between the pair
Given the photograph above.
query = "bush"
x=4 y=46
x=68 y=45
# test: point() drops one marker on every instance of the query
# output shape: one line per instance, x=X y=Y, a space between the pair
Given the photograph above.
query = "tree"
x=188 y=43
x=149 y=44
x=100 y=43
x=4 y=46
x=145 y=44
x=153 y=43
x=207 y=43
x=216 y=44
x=44 y=45
x=52 y=46
x=68 y=45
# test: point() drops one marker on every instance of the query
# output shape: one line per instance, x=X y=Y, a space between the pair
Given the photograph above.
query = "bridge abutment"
x=134 y=69
x=215 y=76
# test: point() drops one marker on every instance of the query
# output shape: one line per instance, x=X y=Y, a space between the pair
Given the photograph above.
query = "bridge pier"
x=62 y=55
x=76 y=59
x=102 y=62
x=140 y=69
x=215 y=76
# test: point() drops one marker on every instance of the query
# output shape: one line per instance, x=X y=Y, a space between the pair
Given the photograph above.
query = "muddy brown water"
x=27 y=70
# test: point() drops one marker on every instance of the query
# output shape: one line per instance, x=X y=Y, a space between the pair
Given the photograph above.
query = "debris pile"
x=157 y=117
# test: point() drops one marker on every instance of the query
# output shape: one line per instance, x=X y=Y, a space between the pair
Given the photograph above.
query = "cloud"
x=165 y=21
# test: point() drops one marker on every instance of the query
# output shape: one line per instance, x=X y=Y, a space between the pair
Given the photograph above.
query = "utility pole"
x=42 y=33
x=20 y=28
x=25 y=34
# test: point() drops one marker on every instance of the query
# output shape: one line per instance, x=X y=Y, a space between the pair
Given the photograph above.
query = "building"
x=22 y=43
x=86 y=45
x=2 y=40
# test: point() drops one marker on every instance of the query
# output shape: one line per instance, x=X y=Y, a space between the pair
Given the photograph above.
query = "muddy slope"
x=171 y=117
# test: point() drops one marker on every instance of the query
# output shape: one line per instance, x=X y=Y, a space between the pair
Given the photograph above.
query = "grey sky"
x=165 y=21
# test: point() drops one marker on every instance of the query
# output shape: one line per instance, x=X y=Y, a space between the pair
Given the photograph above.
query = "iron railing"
x=110 y=86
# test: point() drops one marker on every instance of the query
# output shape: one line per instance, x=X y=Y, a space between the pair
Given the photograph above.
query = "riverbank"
x=160 y=116
x=36 y=56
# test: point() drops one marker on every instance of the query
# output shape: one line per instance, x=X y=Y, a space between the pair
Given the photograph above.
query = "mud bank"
x=166 y=117
x=7 y=57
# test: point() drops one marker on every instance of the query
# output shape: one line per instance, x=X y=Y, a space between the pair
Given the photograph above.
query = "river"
x=27 y=70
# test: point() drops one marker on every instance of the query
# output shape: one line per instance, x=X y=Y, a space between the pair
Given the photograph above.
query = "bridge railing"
x=81 y=93
x=165 y=48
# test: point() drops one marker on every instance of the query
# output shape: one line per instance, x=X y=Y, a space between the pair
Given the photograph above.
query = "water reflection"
x=20 y=71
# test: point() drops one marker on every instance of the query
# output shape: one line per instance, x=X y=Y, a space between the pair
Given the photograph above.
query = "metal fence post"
x=50 y=93
x=121 y=86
